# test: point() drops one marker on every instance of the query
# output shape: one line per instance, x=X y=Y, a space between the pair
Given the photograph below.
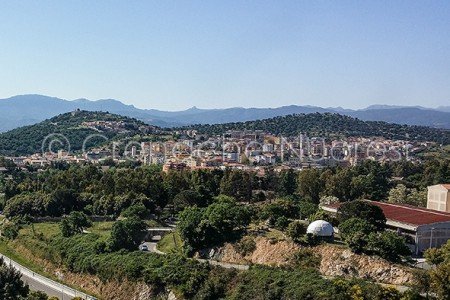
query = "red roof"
x=408 y=214
x=447 y=186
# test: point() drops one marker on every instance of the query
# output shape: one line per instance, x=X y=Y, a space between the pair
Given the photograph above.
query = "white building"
x=439 y=197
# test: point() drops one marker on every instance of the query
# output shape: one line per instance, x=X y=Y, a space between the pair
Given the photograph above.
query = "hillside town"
x=245 y=150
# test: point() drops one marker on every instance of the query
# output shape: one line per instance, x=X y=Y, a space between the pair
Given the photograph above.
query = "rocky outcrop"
x=267 y=252
x=335 y=261
x=338 y=261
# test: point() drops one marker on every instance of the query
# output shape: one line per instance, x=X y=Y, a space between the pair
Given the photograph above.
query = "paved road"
x=40 y=283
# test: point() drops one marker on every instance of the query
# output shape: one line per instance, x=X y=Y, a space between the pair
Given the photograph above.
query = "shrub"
x=296 y=230
x=245 y=246
x=388 y=245
x=305 y=258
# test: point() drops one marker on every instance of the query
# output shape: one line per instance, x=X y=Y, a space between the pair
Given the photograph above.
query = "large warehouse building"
x=424 y=228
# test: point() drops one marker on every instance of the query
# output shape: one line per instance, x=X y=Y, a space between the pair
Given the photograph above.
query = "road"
x=40 y=283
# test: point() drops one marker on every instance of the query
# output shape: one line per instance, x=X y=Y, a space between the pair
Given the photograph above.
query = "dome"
x=320 y=228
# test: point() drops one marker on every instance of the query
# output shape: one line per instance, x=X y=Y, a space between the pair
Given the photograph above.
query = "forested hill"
x=74 y=126
x=328 y=124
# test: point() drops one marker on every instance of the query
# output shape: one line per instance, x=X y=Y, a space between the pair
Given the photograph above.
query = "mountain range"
x=24 y=110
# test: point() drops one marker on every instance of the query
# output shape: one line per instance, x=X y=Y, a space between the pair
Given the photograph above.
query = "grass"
x=275 y=234
x=36 y=238
x=7 y=250
x=171 y=243
x=48 y=230
x=103 y=229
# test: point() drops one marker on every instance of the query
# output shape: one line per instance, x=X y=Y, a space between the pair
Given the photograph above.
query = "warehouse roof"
x=407 y=214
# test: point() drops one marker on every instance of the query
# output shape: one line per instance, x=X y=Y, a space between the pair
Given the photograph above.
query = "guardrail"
x=51 y=284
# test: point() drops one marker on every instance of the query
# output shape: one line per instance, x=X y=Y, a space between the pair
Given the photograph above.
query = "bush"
x=245 y=246
x=388 y=245
x=281 y=223
x=305 y=258
x=296 y=230
x=10 y=230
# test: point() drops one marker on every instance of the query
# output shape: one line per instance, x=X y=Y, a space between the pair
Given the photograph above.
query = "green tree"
x=388 y=245
x=287 y=184
x=310 y=185
x=11 y=285
x=37 y=295
x=127 y=234
x=74 y=223
x=362 y=210
x=354 y=232
x=296 y=230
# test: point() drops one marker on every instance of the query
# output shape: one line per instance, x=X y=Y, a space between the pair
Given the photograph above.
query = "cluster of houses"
x=237 y=149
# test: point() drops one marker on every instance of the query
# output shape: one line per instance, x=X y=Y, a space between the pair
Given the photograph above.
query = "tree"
x=188 y=226
x=137 y=210
x=440 y=280
x=440 y=276
x=74 y=223
x=38 y=295
x=306 y=209
x=403 y=195
x=388 y=245
x=127 y=234
x=11 y=285
x=362 y=210
x=310 y=185
x=10 y=230
x=188 y=198
x=287 y=184
x=296 y=230
x=238 y=184
x=354 y=232
x=219 y=222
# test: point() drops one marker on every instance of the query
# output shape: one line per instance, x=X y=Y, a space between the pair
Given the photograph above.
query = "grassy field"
x=171 y=243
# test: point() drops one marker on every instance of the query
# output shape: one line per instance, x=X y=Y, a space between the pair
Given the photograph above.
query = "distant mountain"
x=444 y=108
x=30 y=109
x=75 y=127
x=330 y=125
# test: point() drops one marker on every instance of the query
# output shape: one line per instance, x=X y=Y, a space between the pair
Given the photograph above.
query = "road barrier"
x=65 y=290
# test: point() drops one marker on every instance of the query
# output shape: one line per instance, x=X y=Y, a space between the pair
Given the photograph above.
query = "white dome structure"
x=320 y=228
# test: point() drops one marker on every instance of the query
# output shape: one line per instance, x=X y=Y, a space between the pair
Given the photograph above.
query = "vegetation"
x=327 y=124
x=440 y=275
x=29 y=139
x=13 y=288
x=74 y=223
x=219 y=222
x=371 y=213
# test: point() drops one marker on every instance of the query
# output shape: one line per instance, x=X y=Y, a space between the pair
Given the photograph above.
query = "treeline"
x=88 y=188
x=329 y=125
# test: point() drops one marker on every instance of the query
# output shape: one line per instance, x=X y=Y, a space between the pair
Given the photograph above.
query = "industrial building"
x=424 y=228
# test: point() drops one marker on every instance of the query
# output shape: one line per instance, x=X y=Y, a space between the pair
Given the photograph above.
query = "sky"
x=173 y=55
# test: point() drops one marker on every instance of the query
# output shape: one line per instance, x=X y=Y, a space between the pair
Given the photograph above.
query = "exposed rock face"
x=336 y=261
x=266 y=253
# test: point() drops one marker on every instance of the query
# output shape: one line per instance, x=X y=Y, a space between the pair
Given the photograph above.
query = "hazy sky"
x=177 y=54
